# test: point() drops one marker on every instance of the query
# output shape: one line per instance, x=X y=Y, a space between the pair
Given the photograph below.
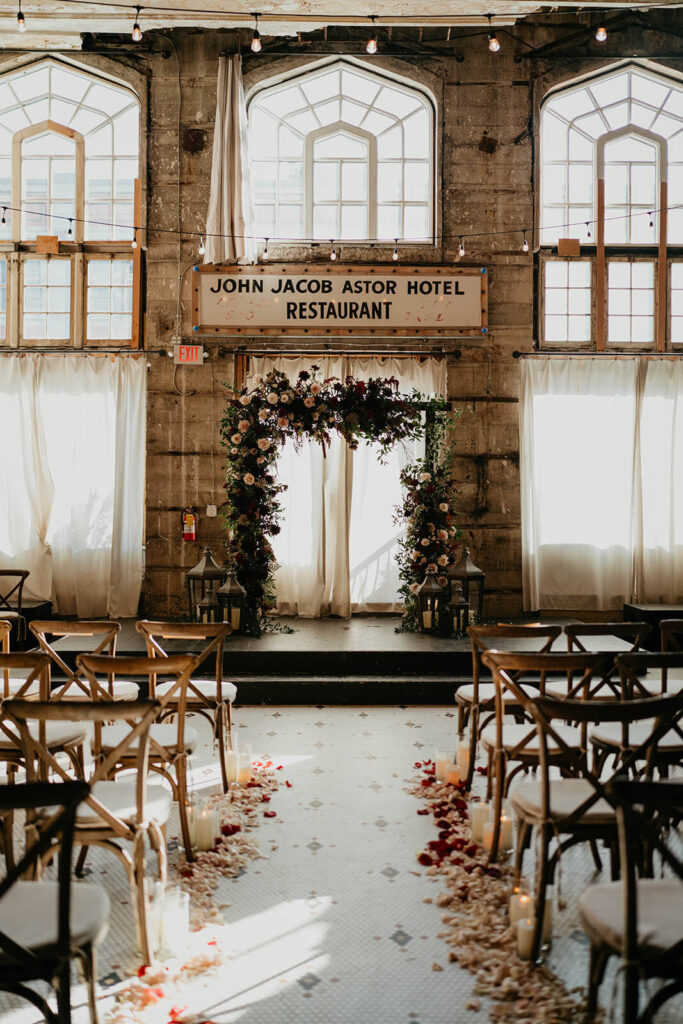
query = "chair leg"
x=89 y=967
x=80 y=862
x=7 y=842
x=63 y=987
x=474 y=736
x=223 y=739
x=596 y=855
x=497 y=805
x=541 y=886
x=523 y=837
x=489 y=777
x=631 y=992
x=181 y=777
x=596 y=972
x=157 y=838
x=140 y=895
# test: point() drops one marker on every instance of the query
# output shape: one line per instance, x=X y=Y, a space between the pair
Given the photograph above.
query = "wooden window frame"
x=547 y=256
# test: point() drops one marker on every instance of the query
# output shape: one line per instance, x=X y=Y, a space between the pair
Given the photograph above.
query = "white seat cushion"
x=650 y=682
x=164 y=734
x=487 y=694
x=28 y=915
x=121 y=689
x=610 y=735
x=514 y=734
x=566 y=795
x=207 y=687
x=660 y=914
x=15 y=684
x=57 y=734
x=119 y=799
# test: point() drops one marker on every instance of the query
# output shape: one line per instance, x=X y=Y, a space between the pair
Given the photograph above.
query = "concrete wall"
x=482 y=96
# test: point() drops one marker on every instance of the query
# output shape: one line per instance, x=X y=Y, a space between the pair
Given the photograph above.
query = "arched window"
x=612 y=167
x=69 y=151
x=345 y=153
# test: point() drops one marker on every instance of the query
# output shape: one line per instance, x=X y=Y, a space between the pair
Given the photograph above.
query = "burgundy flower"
x=269 y=814
x=423 y=810
x=230 y=830
x=425 y=859
x=471 y=850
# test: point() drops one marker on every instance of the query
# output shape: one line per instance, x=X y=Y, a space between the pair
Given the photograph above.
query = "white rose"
x=245 y=399
x=425 y=478
x=442 y=559
x=248 y=479
x=316 y=415
x=431 y=567
x=286 y=397
x=414 y=587
x=273 y=398
x=243 y=425
x=425 y=542
x=236 y=439
x=443 y=507
x=442 y=534
x=263 y=443
x=233 y=451
x=260 y=460
x=309 y=402
x=315 y=388
x=263 y=414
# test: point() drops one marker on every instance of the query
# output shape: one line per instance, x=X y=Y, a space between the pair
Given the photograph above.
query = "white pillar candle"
x=441 y=762
x=481 y=812
x=488 y=836
x=463 y=758
x=525 y=937
x=175 y=921
x=521 y=906
x=235 y=618
x=426 y=620
x=452 y=775
x=192 y=824
x=507 y=840
x=231 y=765
x=244 y=769
x=206 y=829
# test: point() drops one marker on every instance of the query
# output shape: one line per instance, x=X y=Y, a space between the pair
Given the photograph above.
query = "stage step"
x=346 y=689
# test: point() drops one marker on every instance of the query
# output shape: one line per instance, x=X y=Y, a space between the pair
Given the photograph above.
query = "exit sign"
x=188 y=355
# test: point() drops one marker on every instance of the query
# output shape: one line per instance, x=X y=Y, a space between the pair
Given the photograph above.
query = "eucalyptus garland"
x=255 y=424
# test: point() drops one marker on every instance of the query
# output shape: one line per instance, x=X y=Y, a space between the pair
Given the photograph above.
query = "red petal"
x=269 y=814
x=288 y=784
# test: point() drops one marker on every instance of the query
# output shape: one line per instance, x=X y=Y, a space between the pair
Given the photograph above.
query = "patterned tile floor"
x=332 y=927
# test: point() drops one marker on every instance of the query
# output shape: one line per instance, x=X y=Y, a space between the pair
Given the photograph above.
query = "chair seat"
x=57 y=734
x=610 y=735
x=487 y=694
x=513 y=734
x=121 y=689
x=166 y=735
x=28 y=915
x=566 y=795
x=660 y=915
x=207 y=687
x=15 y=684
x=119 y=799
x=650 y=682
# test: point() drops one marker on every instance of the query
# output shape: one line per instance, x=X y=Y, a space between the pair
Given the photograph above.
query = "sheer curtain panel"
x=72 y=477
x=229 y=222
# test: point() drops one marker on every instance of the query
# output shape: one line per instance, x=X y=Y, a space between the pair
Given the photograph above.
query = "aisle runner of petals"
x=475 y=913
x=161 y=993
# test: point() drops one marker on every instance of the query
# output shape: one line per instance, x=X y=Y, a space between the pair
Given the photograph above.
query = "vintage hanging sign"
x=322 y=299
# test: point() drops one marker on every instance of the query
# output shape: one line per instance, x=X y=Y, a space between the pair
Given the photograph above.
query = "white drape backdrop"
x=72 y=479
x=338 y=542
x=229 y=221
x=602 y=501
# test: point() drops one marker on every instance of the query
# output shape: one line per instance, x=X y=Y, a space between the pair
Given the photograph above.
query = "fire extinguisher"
x=188 y=522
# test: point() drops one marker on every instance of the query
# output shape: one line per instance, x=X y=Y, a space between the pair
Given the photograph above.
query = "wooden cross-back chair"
x=9 y=684
x=575 y=808
x=114 y=813
x=12 y=587
x=210 y=698
x=639 y=920
x=476 y=703
x=170 y=743
x=103 y=633
x=44 y=925
x=513 y=747
x=610 y=638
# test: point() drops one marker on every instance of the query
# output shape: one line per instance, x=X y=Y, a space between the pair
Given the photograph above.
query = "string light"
x=70 y=233
x=461 y=246
x=494 y=45
x=265 y=251
x=525 y=244
x=652 y=223
x=134 y=243
x=371 y=45
x=394 y=254
x=601 y=33
x=4 y=219
x=136 y=34
x=256 y=45
x=21 y=21
x=202 y=248
x=333 y=254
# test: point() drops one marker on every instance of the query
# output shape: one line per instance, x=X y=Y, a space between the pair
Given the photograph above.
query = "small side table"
x=653 y=615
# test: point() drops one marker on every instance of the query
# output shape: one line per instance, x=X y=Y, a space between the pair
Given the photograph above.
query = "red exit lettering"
x=193 y=354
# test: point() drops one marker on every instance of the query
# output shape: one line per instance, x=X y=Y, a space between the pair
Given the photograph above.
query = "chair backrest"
x=645 y=812
x=177 y=667
x=508 y=635
x=213 y=634
x=671 y=635
x=5 y=632
x=104 y=632
x=65 y=798
x=36 y=666
x=12 y=586
x=139 y=715
x=657 y=716
x=598 y=637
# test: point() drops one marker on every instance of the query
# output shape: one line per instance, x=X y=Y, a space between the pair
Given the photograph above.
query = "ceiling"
x=59 y=23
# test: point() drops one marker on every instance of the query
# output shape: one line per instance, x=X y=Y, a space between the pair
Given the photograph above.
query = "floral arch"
x=255 y=425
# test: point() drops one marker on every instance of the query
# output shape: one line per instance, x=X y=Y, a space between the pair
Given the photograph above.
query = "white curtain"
x=602 y=496
x=72 y=479
x=229 y=221
x=338 y=542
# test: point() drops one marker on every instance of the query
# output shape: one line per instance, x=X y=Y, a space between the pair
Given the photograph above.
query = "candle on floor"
x=521 y=906
x=244 y=767
x=441 y=762
x=525 y=937
x=206 y=829
x=463 y=758
x=452 y=776
x=191 y=811
x=231 y=763
x=507 y=841
x=175 y=921
x=480 y=814
x=489 y=827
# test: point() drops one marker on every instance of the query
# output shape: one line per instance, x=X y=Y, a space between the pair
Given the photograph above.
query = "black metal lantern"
x=431 y=604
x=458 y=608
x=468 y=573
x=231 y=597
x=203 y=581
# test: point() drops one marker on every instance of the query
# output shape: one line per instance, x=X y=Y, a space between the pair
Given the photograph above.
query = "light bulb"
x=202 y=248
x=588 y=230
x=652 y=223
x=371 y=45
x=494 y=45
x=333 y=254
x=461 y=247
x=4 y=211
x=265 y=251
x=136 y=34
x=601 y=34
x=394 y=254
x=525 y=244
x=70 y=232
x=256 y=45
x=21 y=21
x=134 y=243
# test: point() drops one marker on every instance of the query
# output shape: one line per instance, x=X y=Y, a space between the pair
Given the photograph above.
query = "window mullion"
x=77 y=299
x=13 y=290
x=662 y=267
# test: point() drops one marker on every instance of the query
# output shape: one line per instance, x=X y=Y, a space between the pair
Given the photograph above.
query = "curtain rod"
x=135 y=353
x=594 y=355
x=456 y=353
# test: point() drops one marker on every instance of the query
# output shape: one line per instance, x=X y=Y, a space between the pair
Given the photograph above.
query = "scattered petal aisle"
x=475 y=914
x=162 y=992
